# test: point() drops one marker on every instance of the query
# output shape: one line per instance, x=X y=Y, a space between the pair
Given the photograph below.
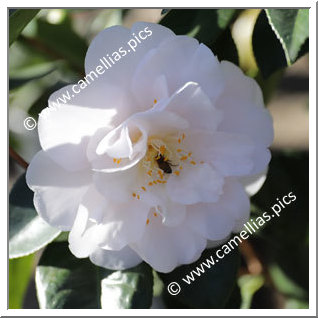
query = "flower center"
x=164 y=157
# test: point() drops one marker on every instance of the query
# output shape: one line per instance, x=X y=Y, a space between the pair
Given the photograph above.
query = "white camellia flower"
x=153 y=161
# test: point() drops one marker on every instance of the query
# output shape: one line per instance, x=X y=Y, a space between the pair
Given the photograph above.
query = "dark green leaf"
x=20 y=271
x=283 y=242
x=131 y=288
x=64 y=281
x=211 y=290
x=268 y=52
x=224 y=48
x=17 y=82
x=60 y=42
x=27 y=231
x=205 y=25
x=280 y=37
x=18 y=20
x=291 y=26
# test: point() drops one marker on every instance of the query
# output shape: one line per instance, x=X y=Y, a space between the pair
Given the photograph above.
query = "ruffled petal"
x=126 y=145
x=58 y=192
x=164 y=248
x=230 y=154
x=195 y=184
x=243 y=107
x=115 y=260
x=65 y=129
x=253 y=183
x=216 y=221
x=107 y=224
x=128 y=51
x=191 y=103
x=179 y=59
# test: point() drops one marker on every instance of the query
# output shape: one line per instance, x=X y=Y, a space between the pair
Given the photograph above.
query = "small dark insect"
x=164 y=165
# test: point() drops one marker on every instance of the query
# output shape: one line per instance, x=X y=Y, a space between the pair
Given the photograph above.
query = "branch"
x=253 y=263
x=18 y=159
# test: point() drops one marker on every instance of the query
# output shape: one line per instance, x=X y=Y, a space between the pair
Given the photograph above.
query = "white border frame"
x=157 y=312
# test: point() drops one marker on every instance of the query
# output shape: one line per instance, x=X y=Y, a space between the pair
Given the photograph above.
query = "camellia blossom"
x=156 y=159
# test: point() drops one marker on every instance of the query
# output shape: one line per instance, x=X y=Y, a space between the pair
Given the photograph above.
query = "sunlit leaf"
x=64 y=281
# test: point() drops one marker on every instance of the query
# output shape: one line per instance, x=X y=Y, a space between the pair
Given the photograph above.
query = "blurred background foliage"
x=46 y=51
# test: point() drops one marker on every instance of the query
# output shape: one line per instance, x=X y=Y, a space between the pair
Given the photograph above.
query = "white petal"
x=117 y=39
x=216 y=221
x=261 y=158
x=173 y=213
x=230 y=154
x=117 y=185
x=123 y=223
x=58 y=192
x=253 y=183
x=64 y=130
x=129 y=140
x=169 y=60
x=164 y=248
x=81 y=243
x=191 y=103
x=204 y=68
x=243 y=107
x=240 y=86
x=115 y=260
x=195 y=184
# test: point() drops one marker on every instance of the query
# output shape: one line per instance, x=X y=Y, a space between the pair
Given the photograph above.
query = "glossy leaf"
x=211 y=290
x=131 y=288
x=291 y=26
x=17 y=82
x=64 y=281
x=27 y=231
x=204 y=25
x=59 y=41
x=18 y=21
x=285 y=239
x=280 y=37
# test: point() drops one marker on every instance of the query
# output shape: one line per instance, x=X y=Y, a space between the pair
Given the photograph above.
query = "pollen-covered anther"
x=147 y=222
x=177 y=172
x=116 y=160
x=193 y=162
x=162 y=149
x=143 y=188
